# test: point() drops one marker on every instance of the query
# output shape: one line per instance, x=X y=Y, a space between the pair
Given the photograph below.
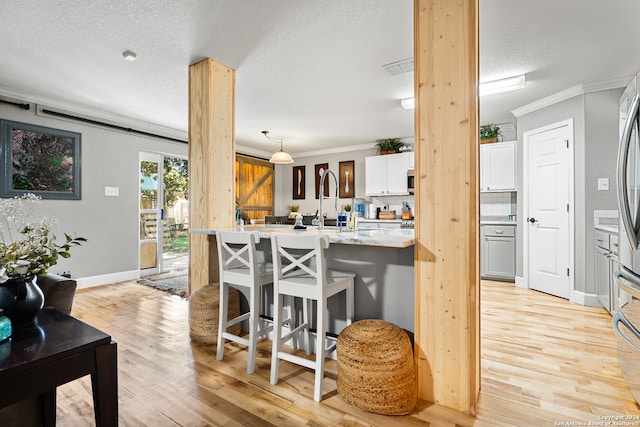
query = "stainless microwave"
x=411 y=181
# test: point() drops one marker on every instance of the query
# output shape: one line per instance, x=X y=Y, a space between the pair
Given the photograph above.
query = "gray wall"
x=595 y=126
x=601 y=139
x=109 y=158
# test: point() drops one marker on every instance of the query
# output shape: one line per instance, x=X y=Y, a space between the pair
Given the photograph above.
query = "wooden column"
x=447 y=200
x=211 y=164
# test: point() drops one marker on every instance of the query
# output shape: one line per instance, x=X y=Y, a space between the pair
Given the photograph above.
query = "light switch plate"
x=603 y=184
x=112 y=191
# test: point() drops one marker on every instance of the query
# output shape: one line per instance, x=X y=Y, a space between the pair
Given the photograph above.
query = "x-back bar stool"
x=299 y=270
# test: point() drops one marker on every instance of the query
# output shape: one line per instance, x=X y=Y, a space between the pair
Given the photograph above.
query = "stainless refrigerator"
x=626 y=301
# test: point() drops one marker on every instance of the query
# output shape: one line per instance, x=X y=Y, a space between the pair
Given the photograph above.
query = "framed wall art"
x=320 y=168
x=298 y=182
x=39 y=160
x=346 y=182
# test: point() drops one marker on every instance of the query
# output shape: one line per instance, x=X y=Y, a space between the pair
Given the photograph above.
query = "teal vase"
x=5 y=327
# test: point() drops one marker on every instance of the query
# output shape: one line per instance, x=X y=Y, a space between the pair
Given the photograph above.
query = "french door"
x=151 y=202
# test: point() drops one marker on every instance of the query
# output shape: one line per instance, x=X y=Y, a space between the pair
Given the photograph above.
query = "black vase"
x=21 y=299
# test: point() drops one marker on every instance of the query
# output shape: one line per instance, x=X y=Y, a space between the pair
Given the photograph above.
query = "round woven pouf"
x=203 y=313
x=375 y=368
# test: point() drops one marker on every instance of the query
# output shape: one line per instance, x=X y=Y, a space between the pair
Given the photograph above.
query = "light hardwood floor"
x=544 y=361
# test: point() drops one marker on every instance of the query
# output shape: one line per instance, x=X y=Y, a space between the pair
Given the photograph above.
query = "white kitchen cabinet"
x=498 y=166
x=387 y=175
x=607 y=265
x=498 y=252
x=603 y=277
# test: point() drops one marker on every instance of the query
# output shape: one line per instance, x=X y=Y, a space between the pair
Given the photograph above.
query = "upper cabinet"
x=498 y=166
x=387 y=175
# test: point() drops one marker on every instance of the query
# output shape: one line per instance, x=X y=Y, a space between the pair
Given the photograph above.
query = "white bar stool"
x=239 y=267
x=299 y=270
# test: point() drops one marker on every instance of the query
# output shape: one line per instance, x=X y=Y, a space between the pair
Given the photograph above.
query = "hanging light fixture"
x=280 y=157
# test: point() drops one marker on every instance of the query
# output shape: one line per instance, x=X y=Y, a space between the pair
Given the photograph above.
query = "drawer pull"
x=499 y=231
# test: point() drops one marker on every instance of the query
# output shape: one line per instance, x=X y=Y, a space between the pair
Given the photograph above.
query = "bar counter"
x=382 y=260
x=390 y=238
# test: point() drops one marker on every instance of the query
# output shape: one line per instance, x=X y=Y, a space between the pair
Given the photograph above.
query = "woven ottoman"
x=203 y=313
x=375 y=368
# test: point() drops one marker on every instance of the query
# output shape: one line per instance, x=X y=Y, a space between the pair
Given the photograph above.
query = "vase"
x=21 y=299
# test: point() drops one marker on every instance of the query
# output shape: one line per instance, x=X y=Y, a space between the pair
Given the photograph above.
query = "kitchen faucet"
x=320 y=215
x=238 y=219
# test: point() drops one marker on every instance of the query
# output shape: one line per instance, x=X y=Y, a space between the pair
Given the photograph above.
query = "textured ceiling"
x=308 y=71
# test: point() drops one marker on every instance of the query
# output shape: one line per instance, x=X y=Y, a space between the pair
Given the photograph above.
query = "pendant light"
x=280 y=157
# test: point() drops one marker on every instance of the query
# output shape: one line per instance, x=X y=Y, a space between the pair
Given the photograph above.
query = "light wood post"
x=447 y=199
x=211 y=164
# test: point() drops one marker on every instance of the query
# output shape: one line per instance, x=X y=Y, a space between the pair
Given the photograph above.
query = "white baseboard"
x=521 y=282
x=105 y=279
x=582 y=298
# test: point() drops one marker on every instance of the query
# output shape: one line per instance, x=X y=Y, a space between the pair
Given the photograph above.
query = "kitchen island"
x=382 y=260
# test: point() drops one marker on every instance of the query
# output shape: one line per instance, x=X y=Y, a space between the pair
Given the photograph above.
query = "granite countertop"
x=390 y=238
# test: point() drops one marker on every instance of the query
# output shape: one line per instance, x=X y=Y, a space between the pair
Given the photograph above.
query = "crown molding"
x=576 y=90
x=347 y=148
x=549 y=100
x=334 y=150
x=607 y=84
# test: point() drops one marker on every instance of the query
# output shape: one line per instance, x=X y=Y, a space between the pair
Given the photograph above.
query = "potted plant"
x=389 y=145
x=293 y=210
x=489 y=133
x=28 y=248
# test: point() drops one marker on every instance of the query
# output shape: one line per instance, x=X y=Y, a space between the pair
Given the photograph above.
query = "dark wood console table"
x=59 y=349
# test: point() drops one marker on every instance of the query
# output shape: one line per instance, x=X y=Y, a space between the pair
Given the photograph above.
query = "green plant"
x=293 y=208
x=27 y=245
x=489 y=131
x=389 y=144
x=178 y=244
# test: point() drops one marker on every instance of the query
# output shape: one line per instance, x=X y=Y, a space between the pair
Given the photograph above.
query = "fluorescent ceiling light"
x=487 y=88
x=502 y=85
x=408 y=103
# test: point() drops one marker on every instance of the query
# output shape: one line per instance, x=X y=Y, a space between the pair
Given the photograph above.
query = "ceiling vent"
x=399 y=67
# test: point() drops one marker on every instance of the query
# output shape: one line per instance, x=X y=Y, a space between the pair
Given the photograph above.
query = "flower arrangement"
x=27 y=245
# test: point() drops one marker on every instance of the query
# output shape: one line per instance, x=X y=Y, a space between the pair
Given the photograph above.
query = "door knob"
x=532 y=220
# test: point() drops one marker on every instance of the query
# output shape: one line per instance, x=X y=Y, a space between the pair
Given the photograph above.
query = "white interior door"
x=548 y=221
